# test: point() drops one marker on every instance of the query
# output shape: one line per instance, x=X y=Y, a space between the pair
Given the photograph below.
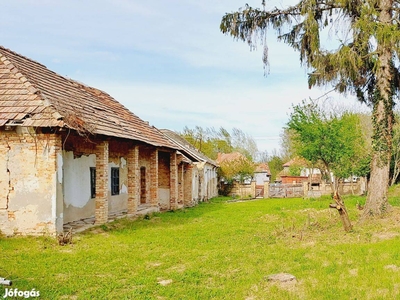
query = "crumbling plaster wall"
x=117 y=203
x=78 y=157
x=78 y=203
x=195 y=185
x=209 y=186
x=28 y=182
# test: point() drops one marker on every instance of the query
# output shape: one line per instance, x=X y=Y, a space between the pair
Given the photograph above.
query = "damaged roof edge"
x=42 y=98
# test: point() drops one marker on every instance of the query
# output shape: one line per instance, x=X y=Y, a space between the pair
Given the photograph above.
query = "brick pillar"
x=253 y=189
x=133 y=180
x=187 y=189
x=181 y=183
x=305 y=188
x=154 y=178
x=266 y=189
x=101 y=212
x=173 y=168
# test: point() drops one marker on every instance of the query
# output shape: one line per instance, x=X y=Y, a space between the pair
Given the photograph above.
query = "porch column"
x=59 y=160
x=181 y=183
x=174 y=181
x=187 y=189
x=101 y=201
x=154 y=178
x=133 y=180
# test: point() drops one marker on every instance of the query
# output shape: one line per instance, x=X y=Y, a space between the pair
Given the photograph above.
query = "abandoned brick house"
x=204 y=175
x=70 y=152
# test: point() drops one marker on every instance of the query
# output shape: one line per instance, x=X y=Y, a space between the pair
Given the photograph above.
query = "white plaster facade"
x=261 y=177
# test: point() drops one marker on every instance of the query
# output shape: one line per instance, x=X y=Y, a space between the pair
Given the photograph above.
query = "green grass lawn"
x=217 y=250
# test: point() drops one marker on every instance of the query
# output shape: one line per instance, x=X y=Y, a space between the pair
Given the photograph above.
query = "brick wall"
x=154 y=178
x=28 y=176
x=173 y=181
x=187 y=189
x=101 y=201
x=133 y=180
x=181 y=183
x=164 y=170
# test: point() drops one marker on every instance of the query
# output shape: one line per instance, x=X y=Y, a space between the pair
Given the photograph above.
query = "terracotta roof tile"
x=298 y=161
x=41 y=97
x=263 y=167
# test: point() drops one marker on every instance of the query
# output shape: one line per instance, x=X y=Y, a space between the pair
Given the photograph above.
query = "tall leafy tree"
x=335 y=140
x=211 y=141
x=275 y=164
x=363 y=63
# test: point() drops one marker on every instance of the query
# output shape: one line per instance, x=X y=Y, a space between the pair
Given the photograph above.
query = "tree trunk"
x=339 y=205
x=396 y=169
x=377 y=200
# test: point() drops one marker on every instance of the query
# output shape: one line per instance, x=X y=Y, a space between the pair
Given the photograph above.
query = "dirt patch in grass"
x=392 y=267
x=177 y=268
x=385 y=235
x=164 y=282
x=155 y=264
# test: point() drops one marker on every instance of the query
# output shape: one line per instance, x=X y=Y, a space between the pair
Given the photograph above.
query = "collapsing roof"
x=32 y=95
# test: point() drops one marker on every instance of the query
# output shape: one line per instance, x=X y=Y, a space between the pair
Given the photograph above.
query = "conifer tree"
x=363 y=63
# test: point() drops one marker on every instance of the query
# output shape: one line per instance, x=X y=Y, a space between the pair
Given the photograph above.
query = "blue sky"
x=165 y=60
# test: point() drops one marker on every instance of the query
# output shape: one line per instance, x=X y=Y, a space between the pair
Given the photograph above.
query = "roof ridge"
x=17 y=73
x=71 y=103
x=24 y=79
x=20 y=55
x=37 y=91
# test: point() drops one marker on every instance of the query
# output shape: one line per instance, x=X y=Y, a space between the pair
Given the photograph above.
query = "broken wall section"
x=28 y=176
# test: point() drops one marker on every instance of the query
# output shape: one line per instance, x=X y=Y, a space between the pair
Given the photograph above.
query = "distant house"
x=298 y=170
x=70 y=152
x=204 y=173
x=262 y=174
x=244 y=187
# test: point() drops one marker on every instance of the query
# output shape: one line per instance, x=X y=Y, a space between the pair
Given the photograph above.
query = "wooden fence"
x=288 y=190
